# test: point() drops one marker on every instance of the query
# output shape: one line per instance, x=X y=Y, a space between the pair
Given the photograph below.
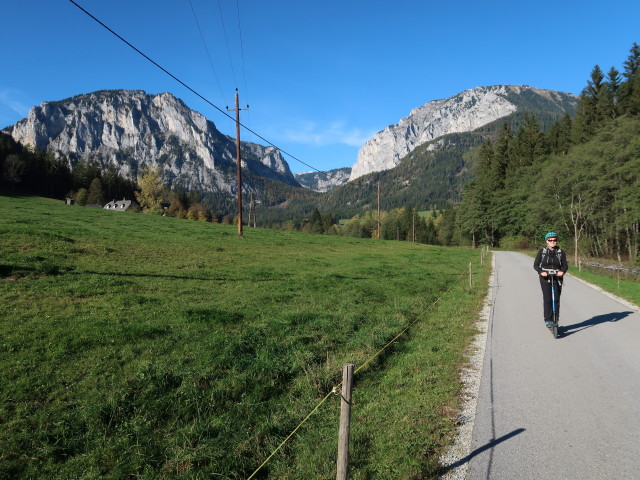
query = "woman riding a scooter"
x=550 y=258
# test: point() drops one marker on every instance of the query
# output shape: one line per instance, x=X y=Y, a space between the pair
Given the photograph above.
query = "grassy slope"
x=628 y=289
x=154 y=347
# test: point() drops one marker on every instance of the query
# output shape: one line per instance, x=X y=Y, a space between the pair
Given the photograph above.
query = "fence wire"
x=336 y=389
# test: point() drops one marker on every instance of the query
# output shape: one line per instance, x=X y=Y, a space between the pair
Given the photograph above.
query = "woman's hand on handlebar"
x=560 y=273
x=543 y=274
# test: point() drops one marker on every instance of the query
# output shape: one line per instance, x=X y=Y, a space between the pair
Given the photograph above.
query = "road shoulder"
x=454 y=462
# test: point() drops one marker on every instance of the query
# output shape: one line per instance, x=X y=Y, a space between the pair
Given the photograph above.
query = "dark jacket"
x=551 y=258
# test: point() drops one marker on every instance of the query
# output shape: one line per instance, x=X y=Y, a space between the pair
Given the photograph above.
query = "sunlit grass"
x=153 y=347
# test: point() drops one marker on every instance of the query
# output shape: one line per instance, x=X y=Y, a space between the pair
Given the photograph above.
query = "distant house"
x=120 y=205
x=69 y=201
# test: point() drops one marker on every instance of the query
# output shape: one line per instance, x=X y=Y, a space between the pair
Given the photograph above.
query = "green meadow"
x=139 y=346
x=627 y=287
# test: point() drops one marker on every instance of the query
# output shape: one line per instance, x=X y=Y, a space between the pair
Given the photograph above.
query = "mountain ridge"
x=464 y=112
x=130 y=129
x=323 y=181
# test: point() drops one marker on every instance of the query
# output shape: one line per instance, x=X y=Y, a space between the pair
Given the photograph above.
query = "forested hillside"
x=432 y=175
x=582 y=179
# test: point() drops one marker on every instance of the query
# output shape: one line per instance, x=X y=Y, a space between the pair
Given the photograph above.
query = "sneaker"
x=548 y=324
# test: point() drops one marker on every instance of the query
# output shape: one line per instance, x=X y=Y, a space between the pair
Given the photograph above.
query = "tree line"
x=26 y=169
x=580 y=179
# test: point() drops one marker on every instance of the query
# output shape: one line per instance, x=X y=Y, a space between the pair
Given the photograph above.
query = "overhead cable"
x=233 y=73
x=194 y=91
x=195 y=17
x=244 y=70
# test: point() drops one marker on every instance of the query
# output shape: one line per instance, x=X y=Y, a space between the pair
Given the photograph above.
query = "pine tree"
x=95 y=193
x=632 y=65
x=559 y=137
x=629 y=92
x=529 y=142
x=634 y=98
x=612 y=93
x=592 y=107
x=315 y=222
x=503 y=151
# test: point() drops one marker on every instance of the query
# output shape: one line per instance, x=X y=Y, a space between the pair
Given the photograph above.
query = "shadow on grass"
x=567 y=330
x=478 y=451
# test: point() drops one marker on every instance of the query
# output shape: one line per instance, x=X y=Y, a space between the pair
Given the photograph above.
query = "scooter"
x=553 y=275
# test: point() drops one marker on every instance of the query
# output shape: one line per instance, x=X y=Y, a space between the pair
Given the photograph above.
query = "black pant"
x=545 y=285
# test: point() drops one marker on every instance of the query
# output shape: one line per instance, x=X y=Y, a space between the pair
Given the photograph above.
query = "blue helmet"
x=551 y=235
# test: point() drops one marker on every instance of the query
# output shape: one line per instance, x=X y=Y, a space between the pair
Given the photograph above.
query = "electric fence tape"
x=336 y=389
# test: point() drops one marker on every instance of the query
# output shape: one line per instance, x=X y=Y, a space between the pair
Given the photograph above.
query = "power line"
x=244 y=71
x=195 y=17
x=194 y=91
x=233 y=73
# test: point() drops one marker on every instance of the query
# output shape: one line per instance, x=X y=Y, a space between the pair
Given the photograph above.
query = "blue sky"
x=320 y=77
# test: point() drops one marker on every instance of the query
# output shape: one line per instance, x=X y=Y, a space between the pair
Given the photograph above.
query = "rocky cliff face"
x=132 y=129
x=464 y=112
x=323 y=181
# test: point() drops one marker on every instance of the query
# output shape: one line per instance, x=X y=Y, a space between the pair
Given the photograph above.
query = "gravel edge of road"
x=470 y=377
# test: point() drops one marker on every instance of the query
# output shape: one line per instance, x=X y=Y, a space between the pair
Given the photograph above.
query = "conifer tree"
x=612 y=93
x=632 y=64
x=315 y=222
x=503 y=151
x=95 y=193
x=559 y=137
x=529 y=142
x=630 y=94
x=592 y=107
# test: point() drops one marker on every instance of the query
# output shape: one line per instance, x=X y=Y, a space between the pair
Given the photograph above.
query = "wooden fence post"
x=345 y=422
x=470 y=277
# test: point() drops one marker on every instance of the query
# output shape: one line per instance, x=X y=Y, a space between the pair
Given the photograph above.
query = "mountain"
x=323 y=181
x=465 y=112
x=434 y=173
x=130 y=129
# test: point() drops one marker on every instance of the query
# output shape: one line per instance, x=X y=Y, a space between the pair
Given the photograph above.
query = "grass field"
x=136 y=346
x=627 y=288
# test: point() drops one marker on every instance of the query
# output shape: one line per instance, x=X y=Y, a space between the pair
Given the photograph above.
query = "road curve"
x=556 y=409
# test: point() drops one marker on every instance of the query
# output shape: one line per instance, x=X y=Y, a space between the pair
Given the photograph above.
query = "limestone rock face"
x=132 y=129
x=323 y=181
x=463 y=112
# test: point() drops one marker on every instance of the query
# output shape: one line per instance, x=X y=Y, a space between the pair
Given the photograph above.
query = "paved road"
x=557 y=409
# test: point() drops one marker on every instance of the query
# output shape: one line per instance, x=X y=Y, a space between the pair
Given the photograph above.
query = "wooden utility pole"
x=345 y=422
x=378 y=209
x=238 y=160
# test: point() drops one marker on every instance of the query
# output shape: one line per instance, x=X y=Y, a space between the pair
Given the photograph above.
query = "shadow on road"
x=478 y=451
x=567 y=330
